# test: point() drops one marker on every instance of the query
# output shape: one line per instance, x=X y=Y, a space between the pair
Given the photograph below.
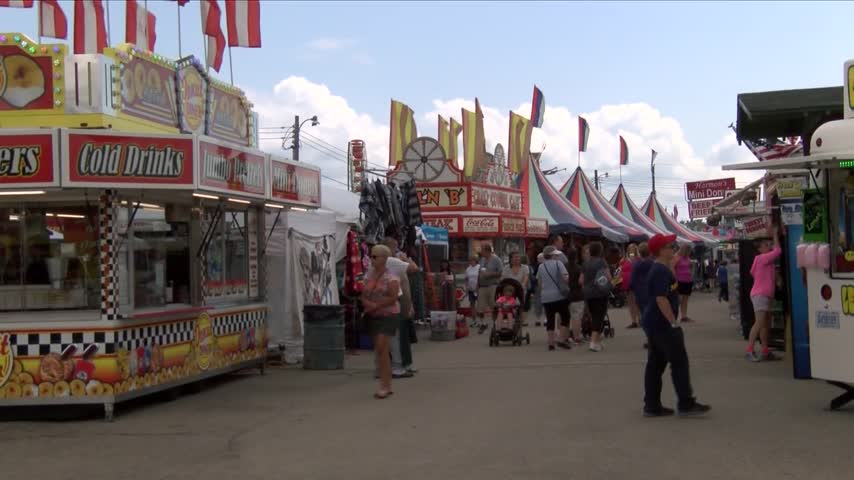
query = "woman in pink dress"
x=763 y=272
x=685 y=278
x=382 y=312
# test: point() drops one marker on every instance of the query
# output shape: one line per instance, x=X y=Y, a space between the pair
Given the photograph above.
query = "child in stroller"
x=507 y=315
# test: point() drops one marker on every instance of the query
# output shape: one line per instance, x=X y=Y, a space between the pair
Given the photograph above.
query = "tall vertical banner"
x=444 y=136
x=538 y=107
x=474 y=141
x=520 y=141
x=624 y=152
x=213 y=33
x=139 y=25
x=90 y=30
x=402 y=131
x=453 y=143
x=583 y=134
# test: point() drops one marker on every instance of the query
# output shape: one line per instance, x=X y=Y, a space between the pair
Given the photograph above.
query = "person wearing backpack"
x=596 y=286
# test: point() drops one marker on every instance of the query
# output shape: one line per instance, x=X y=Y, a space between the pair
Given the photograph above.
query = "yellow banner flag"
x=453 y=149
x=444 y=136
x=474 y=140
x=520 y=142
x=402 y=131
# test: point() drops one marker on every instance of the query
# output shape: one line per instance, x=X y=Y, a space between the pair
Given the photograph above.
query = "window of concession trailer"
x=227 y=269
x=49 y=257
x=841 y=220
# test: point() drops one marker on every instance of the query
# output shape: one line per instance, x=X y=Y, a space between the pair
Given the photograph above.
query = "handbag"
x=563 y=287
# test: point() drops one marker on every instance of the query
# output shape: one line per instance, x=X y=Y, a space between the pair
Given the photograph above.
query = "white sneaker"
x=595 y=348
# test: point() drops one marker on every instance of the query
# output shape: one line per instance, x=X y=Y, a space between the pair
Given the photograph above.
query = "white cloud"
x=329 y=43
x=641 y=125
x=339 y=123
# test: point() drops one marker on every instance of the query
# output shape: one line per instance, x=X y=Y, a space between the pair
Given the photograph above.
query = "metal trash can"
x=323 y=343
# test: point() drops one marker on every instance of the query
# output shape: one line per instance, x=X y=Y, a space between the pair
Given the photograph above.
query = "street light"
x=296 y=128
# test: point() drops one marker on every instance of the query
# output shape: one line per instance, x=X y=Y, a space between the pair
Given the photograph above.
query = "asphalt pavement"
x=472 y=412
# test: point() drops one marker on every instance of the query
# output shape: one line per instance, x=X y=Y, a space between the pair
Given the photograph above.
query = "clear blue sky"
x=687 y=59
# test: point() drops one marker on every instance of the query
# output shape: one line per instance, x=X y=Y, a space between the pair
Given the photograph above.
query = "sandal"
x=382 y=394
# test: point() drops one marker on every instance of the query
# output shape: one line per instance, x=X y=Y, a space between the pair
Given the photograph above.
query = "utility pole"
x=295 y=146
x=596 y=179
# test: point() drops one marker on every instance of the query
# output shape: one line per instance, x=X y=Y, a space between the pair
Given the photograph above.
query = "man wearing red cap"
x=665 y=337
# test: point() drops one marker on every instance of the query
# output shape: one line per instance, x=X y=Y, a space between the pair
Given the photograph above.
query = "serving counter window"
x=227 y=275
x=49 y=258
x=841 y=224
x=155 y=241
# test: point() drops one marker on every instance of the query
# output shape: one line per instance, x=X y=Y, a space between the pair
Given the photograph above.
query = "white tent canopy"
x=343 y=203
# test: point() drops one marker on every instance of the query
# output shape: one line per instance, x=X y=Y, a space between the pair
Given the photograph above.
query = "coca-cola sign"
x=480 y=224
x=707 y=189
x=231 y=169
x=106 y=158
x=28 y=158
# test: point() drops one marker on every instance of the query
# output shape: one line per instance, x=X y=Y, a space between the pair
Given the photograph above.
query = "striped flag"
x=244 y=23
x=474 y=141
x=453 y=145
x=654 y=154
x=778 y=150
x=90 y=30
x=519 y=141
x=53 y=22
x=538 y=108
x=444 y=135
x=624 y=152
x=16 y=3
x=211 y=27
x=583 y=134
x=139 y=25
x=402 y=131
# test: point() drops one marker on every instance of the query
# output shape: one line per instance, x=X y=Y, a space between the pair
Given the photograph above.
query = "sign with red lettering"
x=144 y=160
x=537 y=227
x=452 y=224
x=453 y=197
x=513 y=226
x=28 y=158
x=707 y=189
x=480 y=224
x=231 y=169
x=294 y=183
x=493 y=199
x=701 y=208
x=756 y=227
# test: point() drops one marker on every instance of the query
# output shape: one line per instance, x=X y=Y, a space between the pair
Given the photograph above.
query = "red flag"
x=52 y=22
x=139 y=25
x=90 y=31
x=16 y=3
x=244 y=23
x=211 y=15
x=181 y=3
x=624 y=152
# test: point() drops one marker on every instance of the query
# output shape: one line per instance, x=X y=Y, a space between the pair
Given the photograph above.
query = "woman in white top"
x=472 y=275
x=516 y=271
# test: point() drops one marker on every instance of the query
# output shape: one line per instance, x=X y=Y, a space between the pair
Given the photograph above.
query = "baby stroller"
x=607 y=329
x=514 y=334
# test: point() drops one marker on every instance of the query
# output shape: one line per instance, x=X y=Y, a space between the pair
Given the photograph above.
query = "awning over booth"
x=584 y=195
x=659 y=215
x=545 y=201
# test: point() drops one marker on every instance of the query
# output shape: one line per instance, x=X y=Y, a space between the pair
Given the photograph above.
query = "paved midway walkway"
x=473 y=412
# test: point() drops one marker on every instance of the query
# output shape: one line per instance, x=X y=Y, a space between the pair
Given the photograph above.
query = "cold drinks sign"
x=708 y=189
x=104 y=158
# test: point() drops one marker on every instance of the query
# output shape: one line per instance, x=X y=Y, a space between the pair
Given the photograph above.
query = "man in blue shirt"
x=638 y=280
x=664 y=335
x=723 y=293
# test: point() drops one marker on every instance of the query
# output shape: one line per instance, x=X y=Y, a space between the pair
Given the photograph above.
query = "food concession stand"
x=825 y=250
x=132 y=225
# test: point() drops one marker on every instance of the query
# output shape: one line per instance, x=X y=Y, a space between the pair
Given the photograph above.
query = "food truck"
x=132 y=224
x=826 y=250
